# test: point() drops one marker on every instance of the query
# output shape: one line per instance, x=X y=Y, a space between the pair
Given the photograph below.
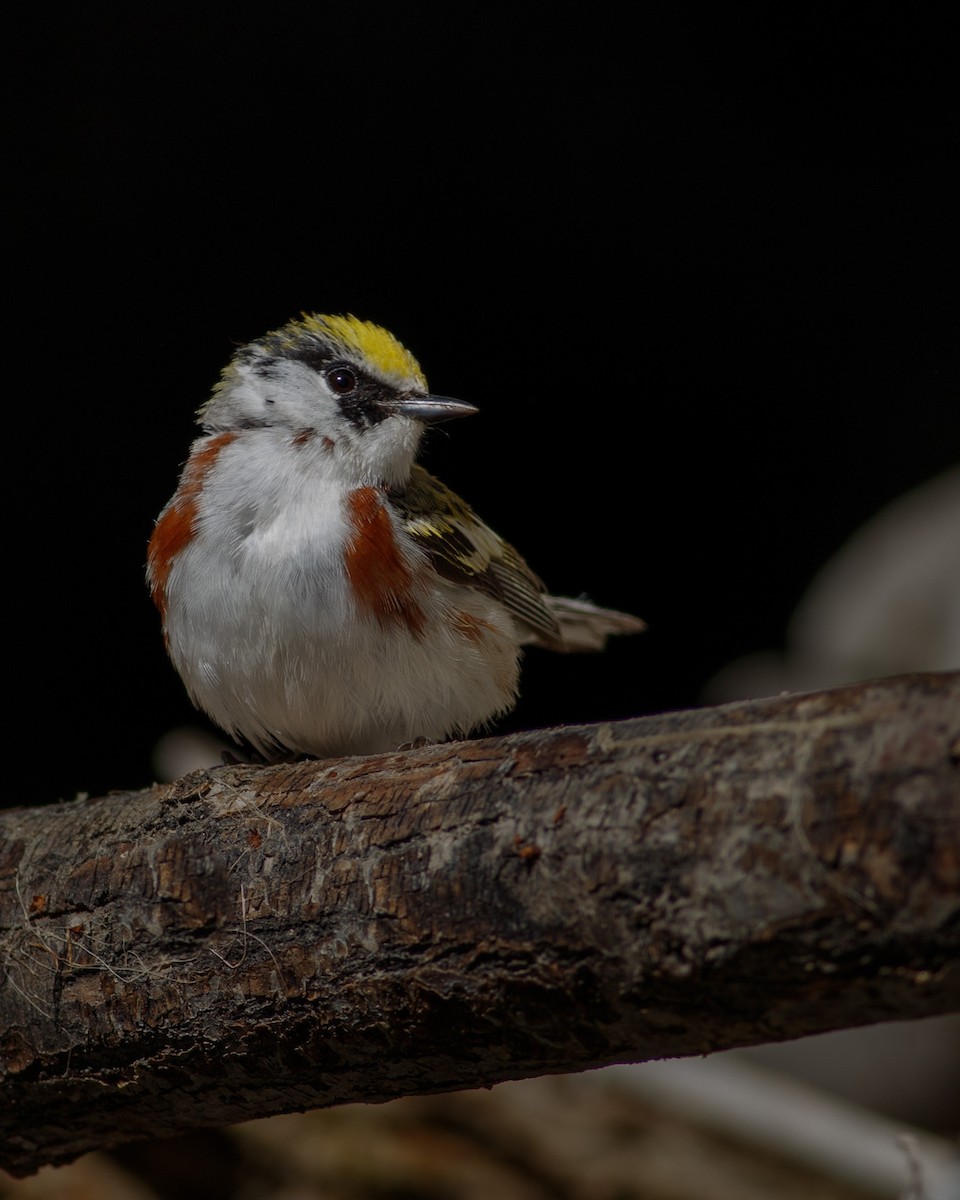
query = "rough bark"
x=256 y=940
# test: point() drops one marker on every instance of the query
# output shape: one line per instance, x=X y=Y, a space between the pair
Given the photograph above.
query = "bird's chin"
x=387 y=451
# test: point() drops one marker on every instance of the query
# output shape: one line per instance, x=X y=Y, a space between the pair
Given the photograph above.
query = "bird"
x=320 y=592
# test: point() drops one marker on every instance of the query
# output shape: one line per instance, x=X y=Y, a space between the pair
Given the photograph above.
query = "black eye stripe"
x=362 y=399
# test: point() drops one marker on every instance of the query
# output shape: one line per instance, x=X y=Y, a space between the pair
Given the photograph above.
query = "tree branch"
x=250 y=940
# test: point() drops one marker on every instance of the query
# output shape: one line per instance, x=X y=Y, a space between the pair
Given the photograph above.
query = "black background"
x=697 y=268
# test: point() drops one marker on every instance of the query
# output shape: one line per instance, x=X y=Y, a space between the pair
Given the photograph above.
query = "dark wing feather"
x=464 y=550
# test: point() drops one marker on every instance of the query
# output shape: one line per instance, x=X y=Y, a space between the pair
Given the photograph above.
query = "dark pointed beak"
x=431 y=409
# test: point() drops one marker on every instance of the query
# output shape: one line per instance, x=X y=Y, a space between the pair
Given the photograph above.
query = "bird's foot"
x=418 y=743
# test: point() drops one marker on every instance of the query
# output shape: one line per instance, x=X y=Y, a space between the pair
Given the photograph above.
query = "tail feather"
x=584 y=626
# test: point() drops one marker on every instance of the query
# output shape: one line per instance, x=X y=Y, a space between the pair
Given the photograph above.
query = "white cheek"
x=290 y=395
x=297 y=399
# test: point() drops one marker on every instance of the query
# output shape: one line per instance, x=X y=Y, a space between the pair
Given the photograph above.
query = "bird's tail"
x=584 y=626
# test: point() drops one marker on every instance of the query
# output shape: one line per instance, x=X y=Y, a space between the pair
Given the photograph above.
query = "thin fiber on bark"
x=251 y=940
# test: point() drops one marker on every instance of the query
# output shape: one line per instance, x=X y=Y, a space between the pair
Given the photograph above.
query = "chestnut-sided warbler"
x=321 y=593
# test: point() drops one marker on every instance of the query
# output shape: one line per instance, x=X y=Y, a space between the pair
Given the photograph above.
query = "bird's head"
x=347 y=382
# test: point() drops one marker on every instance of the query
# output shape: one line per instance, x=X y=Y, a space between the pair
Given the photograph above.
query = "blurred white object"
x=789 y=1119
x=887 y=603
x=186 y=748
x=908 y=1070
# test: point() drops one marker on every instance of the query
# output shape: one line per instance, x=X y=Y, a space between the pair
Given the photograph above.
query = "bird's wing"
x=464 y=550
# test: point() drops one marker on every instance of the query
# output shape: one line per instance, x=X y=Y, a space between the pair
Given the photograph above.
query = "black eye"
x=341 y=379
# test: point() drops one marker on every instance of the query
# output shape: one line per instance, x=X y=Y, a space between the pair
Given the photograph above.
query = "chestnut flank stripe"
x=382 y=582
x=178 y=522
